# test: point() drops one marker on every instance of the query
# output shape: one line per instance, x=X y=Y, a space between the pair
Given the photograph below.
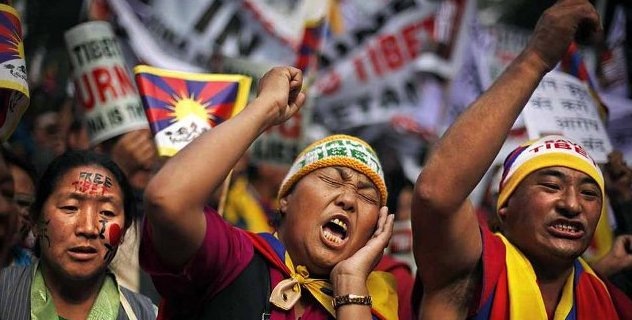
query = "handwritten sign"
x=562 y=104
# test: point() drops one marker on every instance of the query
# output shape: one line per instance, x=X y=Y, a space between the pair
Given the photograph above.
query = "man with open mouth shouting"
x=550 y=199
x=318 y=265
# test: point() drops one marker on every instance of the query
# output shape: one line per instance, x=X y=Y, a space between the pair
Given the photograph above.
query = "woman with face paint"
x=82 y=209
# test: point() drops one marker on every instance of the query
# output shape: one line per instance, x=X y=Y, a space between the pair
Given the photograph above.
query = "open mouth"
x=335 y=230
x=567 y=229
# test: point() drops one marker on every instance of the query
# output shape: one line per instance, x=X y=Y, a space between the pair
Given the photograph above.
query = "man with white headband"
x=551 y=197
x=318 y=265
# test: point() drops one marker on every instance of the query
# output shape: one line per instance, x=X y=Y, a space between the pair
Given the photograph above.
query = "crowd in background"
x=53 y=126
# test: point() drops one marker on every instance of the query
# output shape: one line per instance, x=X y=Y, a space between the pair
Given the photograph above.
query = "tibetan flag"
x=310 y=44
x=181 y=106
x=315 y=28
x=14 y=92
x=573 y=64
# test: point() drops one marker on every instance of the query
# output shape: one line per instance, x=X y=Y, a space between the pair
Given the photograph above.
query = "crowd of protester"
x=112 y=231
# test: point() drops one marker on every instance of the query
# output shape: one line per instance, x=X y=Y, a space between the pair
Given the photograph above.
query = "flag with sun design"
x=181 y=106
x=14 y=92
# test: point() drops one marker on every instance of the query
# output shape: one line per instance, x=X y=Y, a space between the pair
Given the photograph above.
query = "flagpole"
x=224 y=195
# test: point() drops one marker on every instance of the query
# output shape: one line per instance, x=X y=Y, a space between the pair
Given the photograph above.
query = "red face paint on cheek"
x=114 y=234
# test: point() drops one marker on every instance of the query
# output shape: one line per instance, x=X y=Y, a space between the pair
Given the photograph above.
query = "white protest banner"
x=14 y=91
x=487 y=52
x=562 y=104
x=104 y=88
x=495 y=47
x=378 y=77
x=196 y=31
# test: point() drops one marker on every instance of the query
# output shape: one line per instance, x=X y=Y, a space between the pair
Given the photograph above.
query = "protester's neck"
x=552 y=272
x=551 y=280
x=314 y=273
x=72 y=297
x=550 y=269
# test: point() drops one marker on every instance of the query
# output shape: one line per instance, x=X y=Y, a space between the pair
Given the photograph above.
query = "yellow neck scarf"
x=525 y=298
x=288 y=291
x=381 y=286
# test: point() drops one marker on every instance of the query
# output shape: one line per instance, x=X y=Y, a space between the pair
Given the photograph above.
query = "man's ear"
x=502 y=213
x=283 y=205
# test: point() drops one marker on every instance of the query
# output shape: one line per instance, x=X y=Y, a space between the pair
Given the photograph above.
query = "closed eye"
x=331 y=181
x=550 y=186
x=591 y=193
x=370 y=198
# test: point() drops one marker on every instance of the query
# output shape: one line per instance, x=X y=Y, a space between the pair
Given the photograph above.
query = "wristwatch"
x=351 y=299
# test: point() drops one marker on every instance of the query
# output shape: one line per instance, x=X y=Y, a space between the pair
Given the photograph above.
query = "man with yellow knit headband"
x=318 y=265
x=551 y=198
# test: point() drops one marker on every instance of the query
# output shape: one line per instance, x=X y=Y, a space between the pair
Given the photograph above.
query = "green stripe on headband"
x=337 y=150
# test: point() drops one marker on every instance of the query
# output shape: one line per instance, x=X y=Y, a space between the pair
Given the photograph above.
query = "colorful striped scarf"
x=516 y=294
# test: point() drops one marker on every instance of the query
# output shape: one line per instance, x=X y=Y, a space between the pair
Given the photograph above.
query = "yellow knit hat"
x=549 y=151
x=337 y=150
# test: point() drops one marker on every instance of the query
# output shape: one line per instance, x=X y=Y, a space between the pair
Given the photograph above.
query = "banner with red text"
x=367 y=69
x=371 y=75
x=105 y=91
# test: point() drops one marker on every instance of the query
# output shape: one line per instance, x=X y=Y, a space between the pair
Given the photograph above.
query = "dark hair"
x=74 y=159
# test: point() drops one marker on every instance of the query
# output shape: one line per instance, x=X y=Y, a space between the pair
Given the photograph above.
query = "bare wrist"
x=530 y=63
x=259 y=113
x=349 y=284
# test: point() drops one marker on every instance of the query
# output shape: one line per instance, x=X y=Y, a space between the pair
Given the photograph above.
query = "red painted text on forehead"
x=92 y=183
x=560 y=144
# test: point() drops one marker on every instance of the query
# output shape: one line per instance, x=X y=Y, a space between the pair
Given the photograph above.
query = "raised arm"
x=447 y=241
x=177 y=194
